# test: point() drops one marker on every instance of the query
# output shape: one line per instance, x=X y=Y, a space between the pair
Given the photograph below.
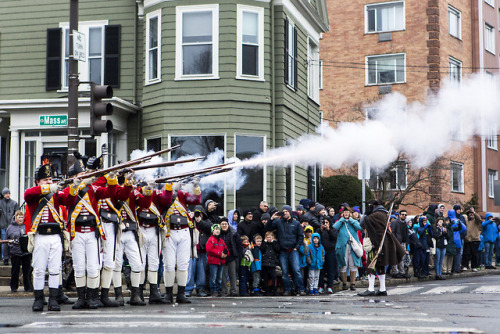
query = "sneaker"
x=13 y=290
x=287 y=293
x=474 y=270
x=315 y=292
x=464 y=268
x=202 y=294
x=367 y=293
x=301 y=293
x=330 y=291
x=320 y=290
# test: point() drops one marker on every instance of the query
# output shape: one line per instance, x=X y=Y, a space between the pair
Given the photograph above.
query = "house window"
x=397 y=176
x=153 y=47
x=454 y=22
x=313 y=70
x=112 y=149
x=457 y=177
x=490 y=2
x=197 y=46
x=385 y=69
x=491 y=139
x=250 y=43
x=252 y=191
x=492 y=177
x=29 y=163
x=489 y=38
x=384 y=17
x=320 y=74
x=455 y=69
x=153 y=144
x=290 y=54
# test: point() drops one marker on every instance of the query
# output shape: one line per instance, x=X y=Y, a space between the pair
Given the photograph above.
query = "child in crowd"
x=270 y=250
x=315 y=263
x=19 y=258
x=216 y=257
x=256 y=266
x=245 y=263
x=304 y=253
x=416 y=250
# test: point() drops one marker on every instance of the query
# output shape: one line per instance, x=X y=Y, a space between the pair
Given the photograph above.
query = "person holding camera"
x=328 y=240
x=290 y=237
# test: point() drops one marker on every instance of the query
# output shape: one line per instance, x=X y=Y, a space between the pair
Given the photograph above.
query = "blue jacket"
x=343 y=239
x=490 y=229
x=316 y=254
x=459 y=228
x=303 y=252
x=481 y=243
x=257 y=259
x=290 y=233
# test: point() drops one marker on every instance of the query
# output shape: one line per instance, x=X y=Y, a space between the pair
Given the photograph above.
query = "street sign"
x=363 y=170
x=54 y=120
x=79 y=52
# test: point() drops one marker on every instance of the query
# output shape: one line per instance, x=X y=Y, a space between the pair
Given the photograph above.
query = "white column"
x=14 y=167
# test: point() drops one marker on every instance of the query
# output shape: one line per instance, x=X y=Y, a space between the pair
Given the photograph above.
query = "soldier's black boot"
x=62 y=298
x=154 y=295
x=169 y=295
x=135 y=299
x=141 y=291
x=53 y=305
x=38 y=303
x=119 y=296
x=181 y=297
x=105 y=299
x=93 y=298
x=80 y=302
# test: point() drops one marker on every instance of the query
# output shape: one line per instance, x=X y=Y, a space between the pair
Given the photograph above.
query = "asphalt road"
x=468 y=305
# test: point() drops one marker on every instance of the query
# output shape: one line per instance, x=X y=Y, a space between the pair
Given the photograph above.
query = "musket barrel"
x=222 y=168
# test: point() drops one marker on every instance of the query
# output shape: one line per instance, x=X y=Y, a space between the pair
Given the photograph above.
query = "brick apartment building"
x=419 y=43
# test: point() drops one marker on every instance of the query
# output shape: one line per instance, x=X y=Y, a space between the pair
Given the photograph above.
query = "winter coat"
x=270 y=252
x=490 y=229
x=473 y=229
x=232 y=223
x=233 y=244
x=257 y=214
x=431 y=214
x=289 y=232
x=257 y=259
x=215 y=249
x=424 y=233
x=247 y=259
x=247 y=227
x=440 y=236
x=328 y=239
x=7 y=209
x=204 y=227
x=450 y=231
x=400 y=230
x=343 y=239
x=303 y=254
x=313 y=220
x=392 y=252
x=14 y=232
x=316 y=254
x=413 y=242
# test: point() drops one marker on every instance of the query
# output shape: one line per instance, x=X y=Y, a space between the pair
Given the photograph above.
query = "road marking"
x=291 y=326
x=403 y=291
x=444 y=289
x=119 y=316
x=487 y=289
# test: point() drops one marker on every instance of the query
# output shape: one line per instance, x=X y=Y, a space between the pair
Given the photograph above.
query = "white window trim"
x=215 y=42
x=149 y=16
x=453 y=10
x=292 y=49
x=86 y=24
x=397 y=186
x=384 y=55
x=455 y=61
x=492 y=133
x=491 y=186
x=367 y=6
x=239 y=43
x=321 y=74
x=486 y=25
x=462 y=185
x=151 y=138
x=490 y=2
x=318 y=77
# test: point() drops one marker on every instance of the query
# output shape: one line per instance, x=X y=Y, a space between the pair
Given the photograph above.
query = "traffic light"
x=99 y=109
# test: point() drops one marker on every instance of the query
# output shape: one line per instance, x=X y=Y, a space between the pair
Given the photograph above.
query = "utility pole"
x=73 y=136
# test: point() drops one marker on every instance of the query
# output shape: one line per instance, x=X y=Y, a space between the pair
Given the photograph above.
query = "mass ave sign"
x=54 y=120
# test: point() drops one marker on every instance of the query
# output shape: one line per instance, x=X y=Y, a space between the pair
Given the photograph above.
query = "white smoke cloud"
x=422 y=132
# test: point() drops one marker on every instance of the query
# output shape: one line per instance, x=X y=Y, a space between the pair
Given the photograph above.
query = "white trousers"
x=86 y=252
x=109 y=246
x=150 y=248
x=128 y=246
x=47 y=252
x=177 y=250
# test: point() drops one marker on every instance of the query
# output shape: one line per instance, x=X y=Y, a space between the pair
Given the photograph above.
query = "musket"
x=371 y=266
x=213 y=169
x=163 y=164
x=117 y=167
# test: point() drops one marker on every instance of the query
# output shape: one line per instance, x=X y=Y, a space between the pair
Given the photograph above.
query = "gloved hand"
x=76 y=183
x=54 y=187
x=129 y=175
x=88 y=181
x=150 y=186
x=112 y=174
x=196 y=182
x=177 y=186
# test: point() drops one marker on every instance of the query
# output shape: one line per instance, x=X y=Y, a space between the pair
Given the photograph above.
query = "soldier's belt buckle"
x=148 y=215
x=109 y=215
x=84 y=217
x=49 y=230
x=178 y=220
x=127 y=225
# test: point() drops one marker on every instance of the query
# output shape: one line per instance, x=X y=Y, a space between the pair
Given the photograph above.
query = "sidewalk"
x=5 y=290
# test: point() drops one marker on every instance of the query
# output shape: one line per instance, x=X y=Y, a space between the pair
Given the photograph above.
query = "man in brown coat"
x=472 y=240
x=392 y=252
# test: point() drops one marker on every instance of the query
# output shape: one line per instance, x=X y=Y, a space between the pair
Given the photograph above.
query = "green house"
x=241 y=77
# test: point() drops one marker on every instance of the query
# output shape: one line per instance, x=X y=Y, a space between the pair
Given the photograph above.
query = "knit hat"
x=318 y=208
x=457 y=207
x=224 y=219
x=265 y=216
x=213 y=227
x=393 y=217
x=356 y=209
x=300 y=207
x=208 y=202
x=5 y=191
x=308 y=228
x=246 y=212
x=287 y=208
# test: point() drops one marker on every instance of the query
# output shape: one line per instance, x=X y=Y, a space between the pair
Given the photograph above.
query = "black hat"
x=373 y=202
x=77 y=168
x=95 y=163
x=246 y=212
x=43 y=172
